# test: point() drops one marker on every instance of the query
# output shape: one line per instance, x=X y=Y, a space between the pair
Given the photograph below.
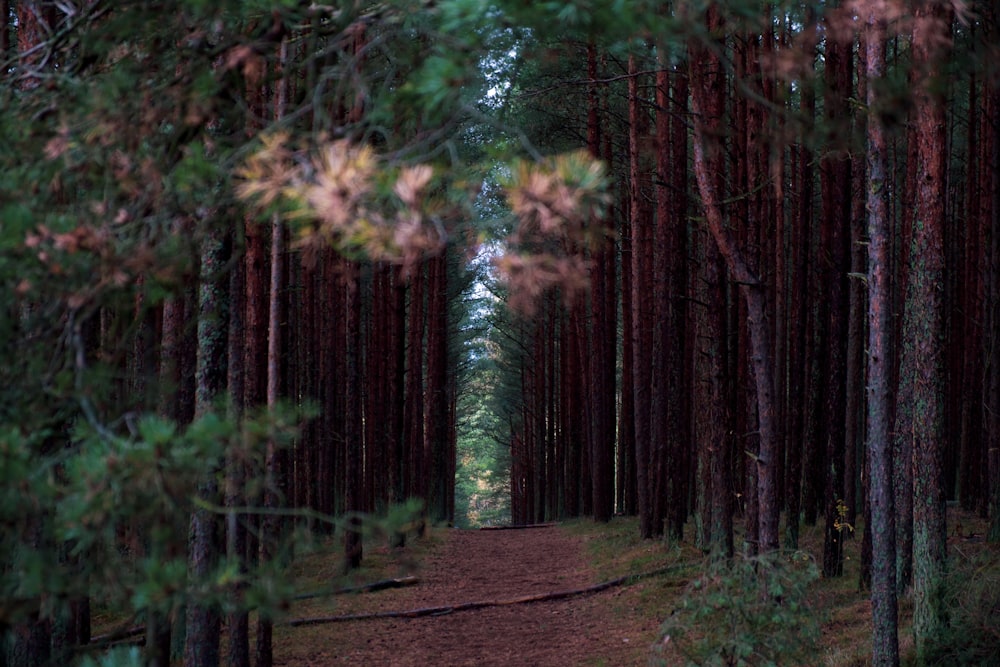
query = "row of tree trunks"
x=602 y=339
x=835 y=240
x=706 y=104
x=642 y=314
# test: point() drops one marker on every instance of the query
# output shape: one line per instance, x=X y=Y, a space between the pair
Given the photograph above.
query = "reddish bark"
x=437 y=445
x=354 y=491
x=706 y=106
x=991 y=343
x=835 y=179
x=642 y=314
x=925 y=333
x=413 y=424
x=798 y=310
x=602 y=342
x=885 y=642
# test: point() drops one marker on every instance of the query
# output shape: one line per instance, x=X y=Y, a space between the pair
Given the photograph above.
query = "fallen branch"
x=381 y=585
x=468 y=606
x=136 y=632
x=129 y=632
x=520 y=526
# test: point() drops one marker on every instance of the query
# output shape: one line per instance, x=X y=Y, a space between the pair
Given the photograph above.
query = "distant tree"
x=835 y=177
x=991 y=369
x=603 y=328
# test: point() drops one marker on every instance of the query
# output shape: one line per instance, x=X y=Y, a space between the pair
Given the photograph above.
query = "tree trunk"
x=835 y=175
x=854 y=477
x=5 y=32
x=602 y=337
x=991 y=371
x=436 y=442
x=669 y=417
x=203 y=617
x=925 y=330
x=642 y=248
x=237 y=620
x=627 y=488
x=798 y=310
x=706 y=107
x=712 y=421
x=269 y=527
x=885 y=641
x=353 y=427
x=683 y=351
x=413 y=431
x=269 y=524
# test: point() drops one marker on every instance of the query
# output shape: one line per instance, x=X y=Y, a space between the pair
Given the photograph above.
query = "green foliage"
x=86 y=491
x=971 y=601
x=746 y=611
x=116 y=657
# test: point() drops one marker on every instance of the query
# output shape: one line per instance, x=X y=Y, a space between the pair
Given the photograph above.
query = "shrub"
x=745 y=611
x=972 y=601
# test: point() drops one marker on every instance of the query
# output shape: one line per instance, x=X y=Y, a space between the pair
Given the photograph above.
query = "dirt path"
x=474 y=566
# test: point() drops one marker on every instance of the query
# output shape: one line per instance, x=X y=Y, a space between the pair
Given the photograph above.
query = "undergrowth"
x=835 y=612
x=694 y=611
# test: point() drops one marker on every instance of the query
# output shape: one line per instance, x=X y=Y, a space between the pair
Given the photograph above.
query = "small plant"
x=972 y=599
x=841 y=523
x=745 y=611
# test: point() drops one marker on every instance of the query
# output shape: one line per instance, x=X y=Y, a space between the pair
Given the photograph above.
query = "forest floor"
x=472 y=566
x=617 y=626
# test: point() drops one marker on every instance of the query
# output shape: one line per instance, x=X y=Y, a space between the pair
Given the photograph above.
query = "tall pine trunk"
x=835 y=176
x=885 y=641
x=237 y=620
x=642 y=248
x=924 y=330
x=203 y=617
x=707 y=88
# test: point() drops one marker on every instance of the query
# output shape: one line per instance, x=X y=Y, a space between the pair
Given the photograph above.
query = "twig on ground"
x=520 y=526
x=468 y=606
x=381 y=585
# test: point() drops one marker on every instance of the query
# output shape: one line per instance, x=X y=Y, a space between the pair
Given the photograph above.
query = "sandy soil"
x=474 y=566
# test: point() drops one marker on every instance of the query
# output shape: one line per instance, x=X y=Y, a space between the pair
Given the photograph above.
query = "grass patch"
x=843 y=609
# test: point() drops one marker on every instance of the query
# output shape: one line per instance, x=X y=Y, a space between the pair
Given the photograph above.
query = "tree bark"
x=602 y=340
x=885 y=641
x=237 y=620
x=991 y=371
x=269 y=527
x=436 y=441
x=353 y=427
x=925 y=331
x=413 y=428
x=642 y=248
x=269 y=524
x=706 y=107
x=204 y=620
x=798 y=310
x=835 y=175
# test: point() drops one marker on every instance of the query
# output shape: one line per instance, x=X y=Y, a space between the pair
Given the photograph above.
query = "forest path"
x=478 y=566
